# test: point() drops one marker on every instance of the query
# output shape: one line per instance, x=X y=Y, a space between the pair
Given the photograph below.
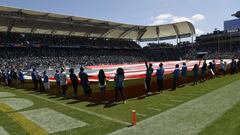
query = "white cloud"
x=199 y=32
x=162 y=19
x=181 y=19
x=198 y=17
x=169 y=18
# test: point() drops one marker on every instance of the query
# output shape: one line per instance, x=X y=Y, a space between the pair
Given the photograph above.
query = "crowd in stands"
x=167 y=45
x=57 y=57
x=41 y=40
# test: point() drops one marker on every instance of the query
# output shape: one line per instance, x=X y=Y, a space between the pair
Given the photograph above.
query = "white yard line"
x=179 y=101
x=175 y=96
x=170 y=105
x=155 y=109
x=78 y=109
x=189 y=118
x=140 y=114
x=193 y=94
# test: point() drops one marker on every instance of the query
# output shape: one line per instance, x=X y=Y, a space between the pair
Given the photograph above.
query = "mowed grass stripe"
x=227 y=124
x=29 y=126
x=191 y=117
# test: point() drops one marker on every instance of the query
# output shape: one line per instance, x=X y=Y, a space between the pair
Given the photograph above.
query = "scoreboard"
x=232 y=25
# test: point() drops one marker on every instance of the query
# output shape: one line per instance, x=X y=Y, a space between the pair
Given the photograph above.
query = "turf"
x=228 y=124
x=121 y=112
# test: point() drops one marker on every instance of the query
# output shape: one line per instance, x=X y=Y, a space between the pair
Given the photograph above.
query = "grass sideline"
x=122 y=112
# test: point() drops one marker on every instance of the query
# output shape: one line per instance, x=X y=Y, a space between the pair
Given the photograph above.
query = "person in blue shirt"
x=40 y=81
x=184 y=73
x=102 y=84
x=85 y=83
x=74 y=81
x=160 y=78
x=46 y=81
x=57 y=78
x=9 y=77
x=149 y=71
x=233 y=66
x=176 y=73
x=2 y=76
x=34 y=78
x=5 y=77
x=204 y=70
x=119 y=84
x=195 y=74
x=21 y=78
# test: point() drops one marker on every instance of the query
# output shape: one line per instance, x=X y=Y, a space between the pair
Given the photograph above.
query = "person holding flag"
x=149 y=71
x=160 y=78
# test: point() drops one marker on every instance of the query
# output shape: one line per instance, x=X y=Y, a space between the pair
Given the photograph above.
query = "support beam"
x=71 y=33
x=157 y=32
x=53 y=31
x=107 y=33
x=33 y=30
x=141 y=33
x=87 y=34
x=177 y=33
x=127 y=32
x=11 y=26
x=176 y=30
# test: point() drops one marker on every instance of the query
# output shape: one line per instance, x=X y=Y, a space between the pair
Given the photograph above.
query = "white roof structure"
x=37 y=22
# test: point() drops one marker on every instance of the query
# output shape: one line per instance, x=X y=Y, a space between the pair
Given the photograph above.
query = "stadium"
x=70 y=75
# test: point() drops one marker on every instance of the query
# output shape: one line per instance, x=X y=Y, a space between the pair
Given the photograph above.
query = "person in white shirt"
x=63 y=81
x=57 y=78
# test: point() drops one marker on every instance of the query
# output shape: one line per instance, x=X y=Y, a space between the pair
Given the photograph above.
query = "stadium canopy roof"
x=37 y=22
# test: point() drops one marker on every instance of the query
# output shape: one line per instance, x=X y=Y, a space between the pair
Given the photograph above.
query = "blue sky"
x=205 y=14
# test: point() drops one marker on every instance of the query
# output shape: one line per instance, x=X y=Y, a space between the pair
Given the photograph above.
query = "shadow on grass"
x=110 y=105
x=74 y=102
x=93 y=104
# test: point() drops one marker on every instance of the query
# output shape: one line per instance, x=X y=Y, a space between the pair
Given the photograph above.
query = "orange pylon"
x=134 y=118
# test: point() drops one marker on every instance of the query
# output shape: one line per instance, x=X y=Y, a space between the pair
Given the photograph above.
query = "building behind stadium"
x=226 y=40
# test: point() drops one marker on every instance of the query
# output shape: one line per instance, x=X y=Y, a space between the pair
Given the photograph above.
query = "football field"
x=212 y=107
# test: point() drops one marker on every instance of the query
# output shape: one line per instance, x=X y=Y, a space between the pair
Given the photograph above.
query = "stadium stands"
x=42 y=51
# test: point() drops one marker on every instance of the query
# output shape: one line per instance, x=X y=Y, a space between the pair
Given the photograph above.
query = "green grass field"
x=101 y=119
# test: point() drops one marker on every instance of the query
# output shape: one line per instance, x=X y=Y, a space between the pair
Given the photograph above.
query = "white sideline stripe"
x=189 y=118
x=79 y=109
x=155 y=109
x=174 y=100
x=3 y=131
x=170 y=105
x=140 y=114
